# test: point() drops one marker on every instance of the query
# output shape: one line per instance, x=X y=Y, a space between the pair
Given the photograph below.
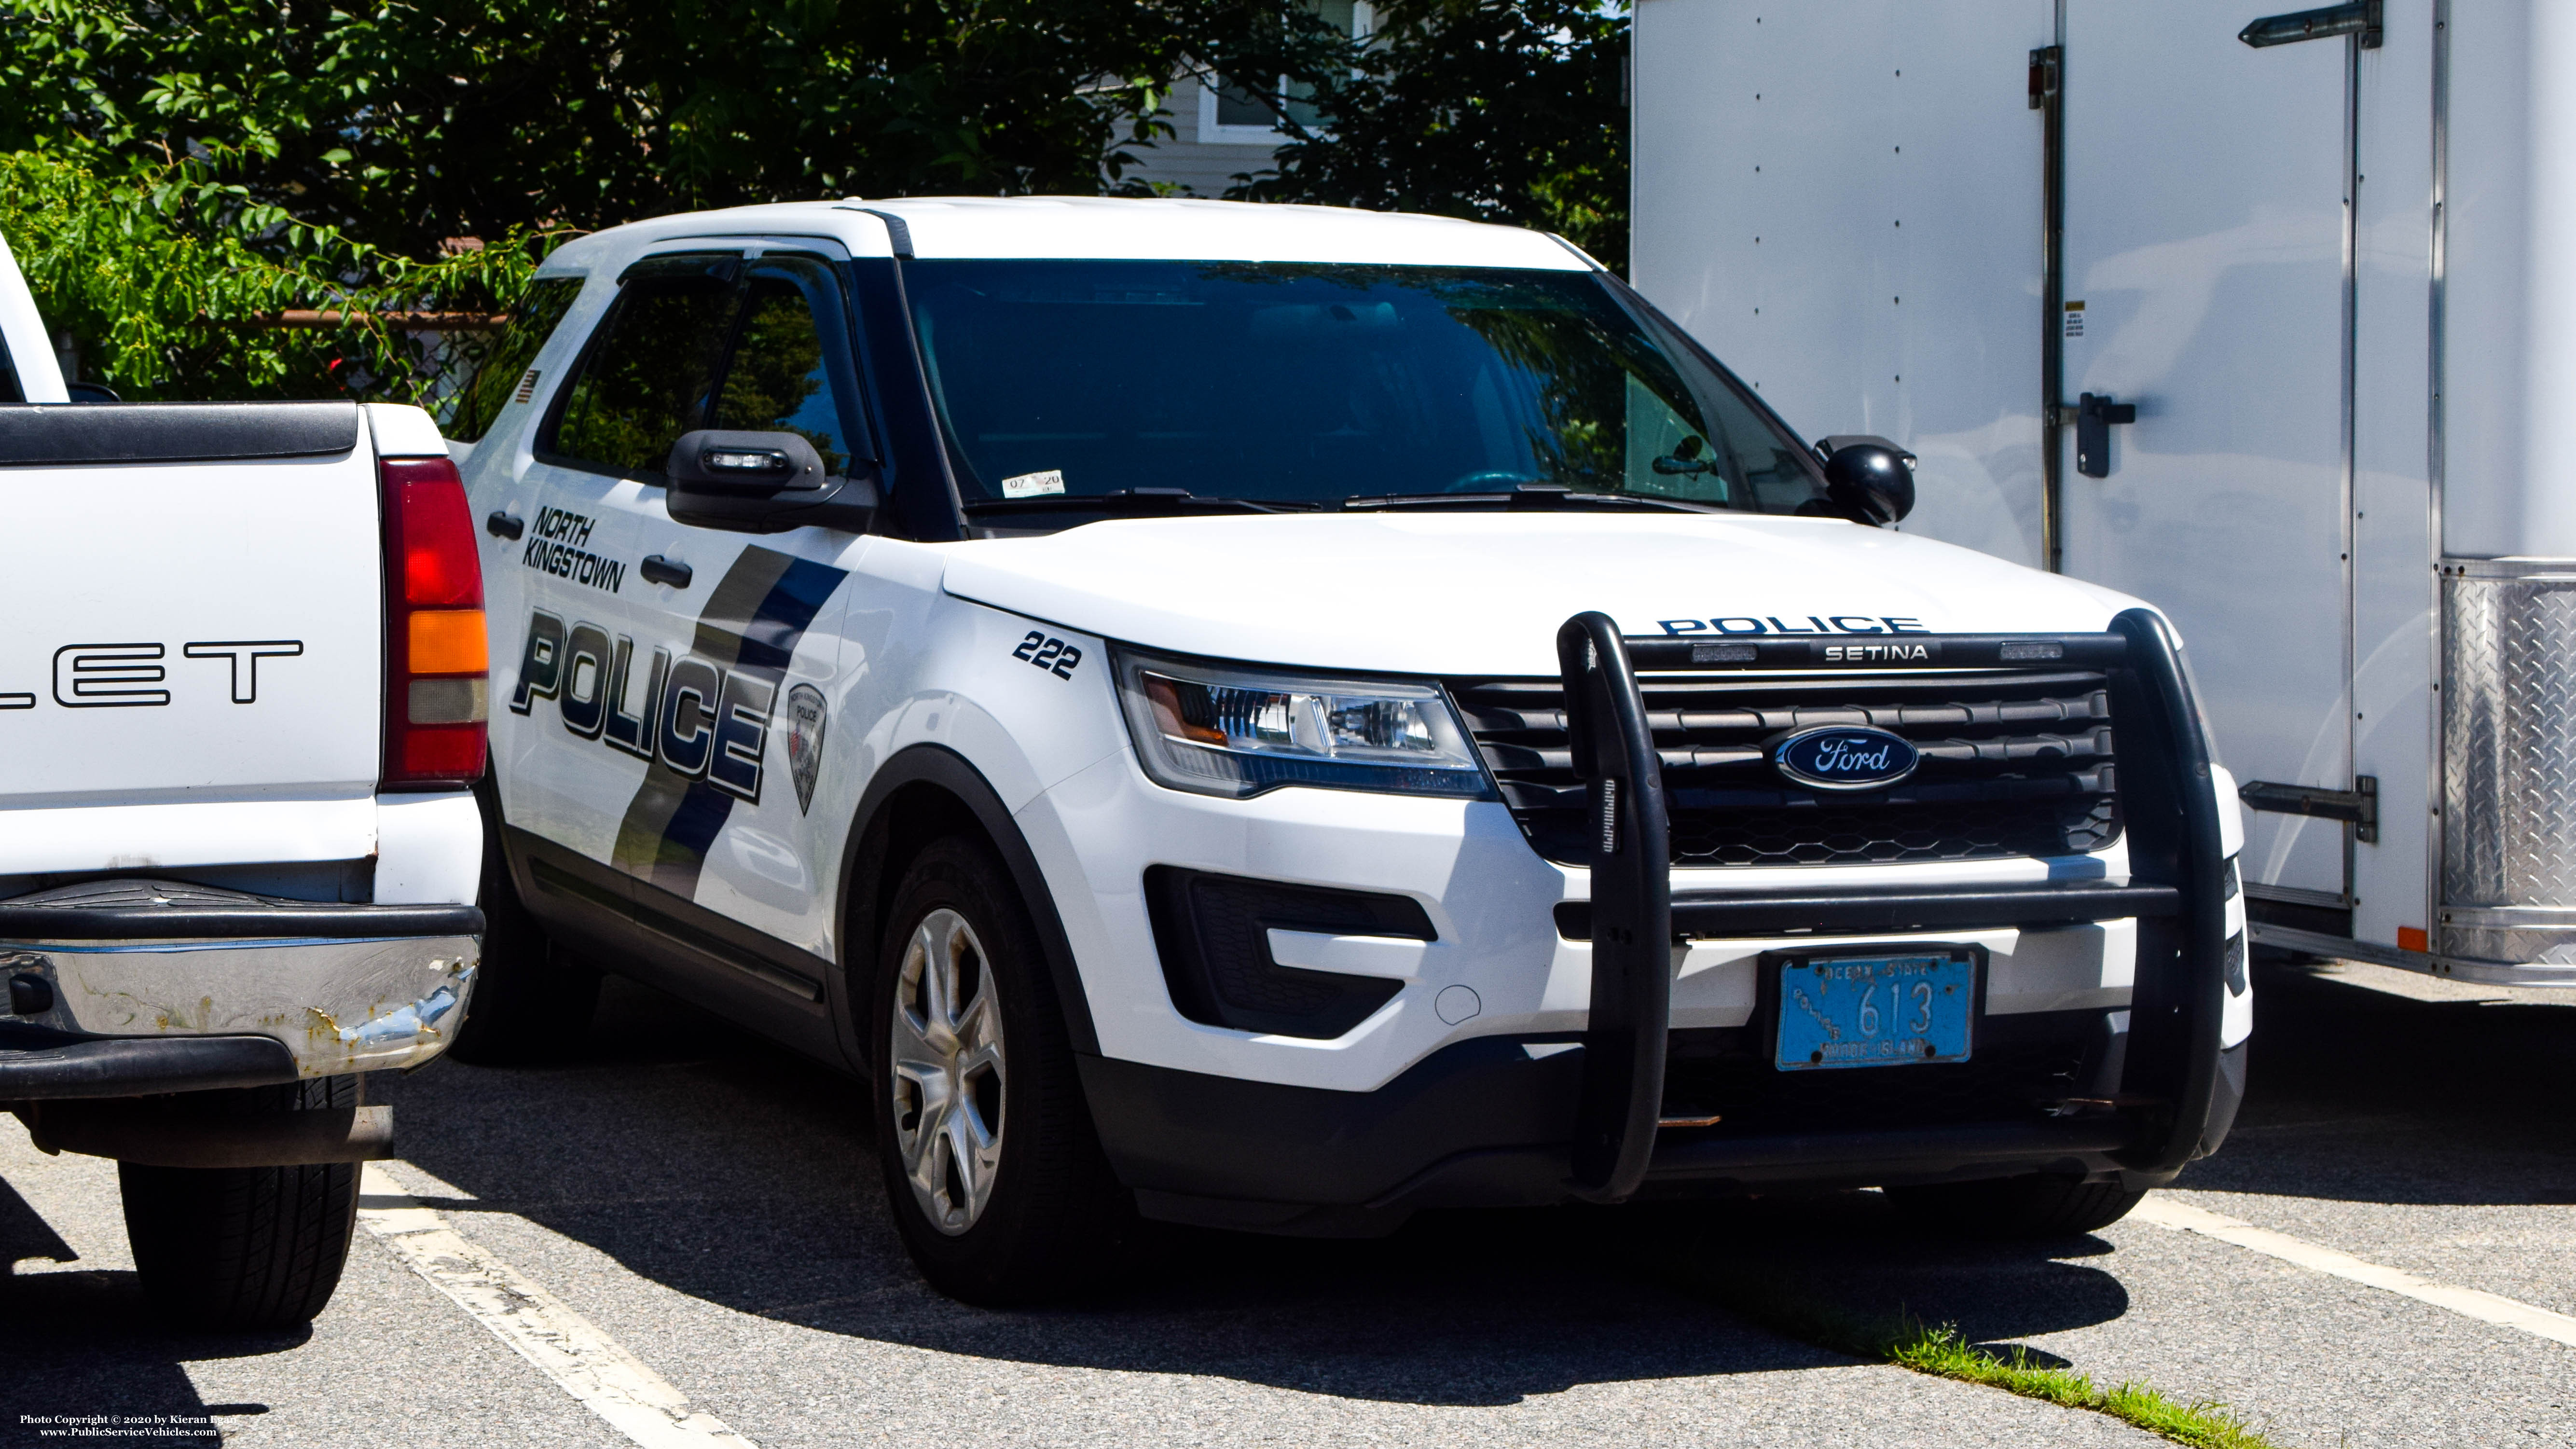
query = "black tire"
x=244 y=1248
x=2017 y=1207
x=530 y=998
x=1054 y=1216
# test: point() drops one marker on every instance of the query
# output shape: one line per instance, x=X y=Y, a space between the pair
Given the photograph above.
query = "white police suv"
x=1277 y=717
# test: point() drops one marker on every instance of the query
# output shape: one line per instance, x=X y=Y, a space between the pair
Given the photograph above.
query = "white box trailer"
x=2250 y=315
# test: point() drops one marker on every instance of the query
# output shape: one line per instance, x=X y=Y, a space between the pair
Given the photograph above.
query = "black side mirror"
x=1867 y=479
x=760 y=483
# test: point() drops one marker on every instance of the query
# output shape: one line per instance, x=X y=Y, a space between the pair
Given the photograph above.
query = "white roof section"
x=1105 y=228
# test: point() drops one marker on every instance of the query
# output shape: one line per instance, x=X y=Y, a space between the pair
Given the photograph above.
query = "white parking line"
x=570 y=1349
x=2467 y=1302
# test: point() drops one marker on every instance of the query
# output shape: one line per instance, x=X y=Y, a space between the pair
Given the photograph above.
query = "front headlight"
x=1235 y=730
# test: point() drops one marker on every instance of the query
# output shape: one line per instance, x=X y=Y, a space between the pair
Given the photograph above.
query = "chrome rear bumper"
x=93 y=986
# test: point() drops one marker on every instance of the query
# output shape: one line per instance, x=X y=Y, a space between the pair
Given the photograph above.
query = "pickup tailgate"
x=192 y=667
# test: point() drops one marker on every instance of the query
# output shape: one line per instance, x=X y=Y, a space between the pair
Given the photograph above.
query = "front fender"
x=922 y=777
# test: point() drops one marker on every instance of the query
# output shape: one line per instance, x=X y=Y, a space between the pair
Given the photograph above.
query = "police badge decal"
x=804 y=719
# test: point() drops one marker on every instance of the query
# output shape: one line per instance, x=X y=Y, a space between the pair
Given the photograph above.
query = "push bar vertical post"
x=2181 y=991
x=1632 y=910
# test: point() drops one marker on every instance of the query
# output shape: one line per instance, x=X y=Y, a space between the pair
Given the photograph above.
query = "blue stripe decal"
x=761 y=643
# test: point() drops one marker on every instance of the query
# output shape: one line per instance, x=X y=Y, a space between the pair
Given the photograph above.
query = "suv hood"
x=1484 y=593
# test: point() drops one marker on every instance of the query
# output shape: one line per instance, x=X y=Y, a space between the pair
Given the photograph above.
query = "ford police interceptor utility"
x=241 y=710
x=1276 y=717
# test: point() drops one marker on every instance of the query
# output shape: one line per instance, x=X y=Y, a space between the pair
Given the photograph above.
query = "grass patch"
x=1940 y=1350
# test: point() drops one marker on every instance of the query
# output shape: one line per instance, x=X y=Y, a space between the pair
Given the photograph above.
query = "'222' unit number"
x=1053 y=655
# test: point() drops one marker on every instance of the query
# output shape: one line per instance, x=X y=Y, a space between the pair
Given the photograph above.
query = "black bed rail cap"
x=62 y=434
x=1873 y=653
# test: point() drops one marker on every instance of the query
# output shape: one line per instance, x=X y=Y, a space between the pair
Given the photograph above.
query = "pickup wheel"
x=2017 y=1207
x=530 y=999
x=993 y=1173
x=238 y=1248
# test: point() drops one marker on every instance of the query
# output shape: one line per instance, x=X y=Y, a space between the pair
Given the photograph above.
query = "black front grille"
x=2013 y=764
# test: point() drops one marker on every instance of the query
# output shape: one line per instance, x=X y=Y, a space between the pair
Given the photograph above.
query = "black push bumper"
x=1493 y=1122
x=2170 y=1077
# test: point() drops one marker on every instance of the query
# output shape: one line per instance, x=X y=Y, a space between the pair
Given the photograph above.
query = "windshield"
x=1307 y=385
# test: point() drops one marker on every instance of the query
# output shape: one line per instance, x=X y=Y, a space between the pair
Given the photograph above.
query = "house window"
x=1231 y=114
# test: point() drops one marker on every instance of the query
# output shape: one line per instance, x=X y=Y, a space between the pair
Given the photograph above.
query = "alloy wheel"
x=946 y=1071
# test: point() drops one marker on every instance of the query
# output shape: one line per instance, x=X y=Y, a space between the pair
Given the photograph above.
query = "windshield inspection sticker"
x=1033 y=485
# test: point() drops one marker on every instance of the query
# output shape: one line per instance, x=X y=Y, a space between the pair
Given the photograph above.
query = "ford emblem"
x=1845 y=757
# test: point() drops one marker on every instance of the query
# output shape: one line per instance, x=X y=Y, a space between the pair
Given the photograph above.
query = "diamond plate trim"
x=2554 y=948
x=2509 y=754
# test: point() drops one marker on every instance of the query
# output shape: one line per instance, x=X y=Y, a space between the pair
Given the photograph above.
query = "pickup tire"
x=2017 y=1207
x=530 y=998
x=244 y=1248
x=993 y=1173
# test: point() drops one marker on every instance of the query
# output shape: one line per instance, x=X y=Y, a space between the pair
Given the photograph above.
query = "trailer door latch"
x=2357 y=807
x=2094 y=415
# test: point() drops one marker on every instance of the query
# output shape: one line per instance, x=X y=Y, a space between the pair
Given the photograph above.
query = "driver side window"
x=644 y=379
x=786 y=375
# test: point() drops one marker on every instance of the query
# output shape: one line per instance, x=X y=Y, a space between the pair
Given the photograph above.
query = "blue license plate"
x=1875 y=1011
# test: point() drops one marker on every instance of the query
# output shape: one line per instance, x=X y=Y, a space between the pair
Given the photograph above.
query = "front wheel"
x=2017 y=1207
x=993 y=1173
x=240 y=1248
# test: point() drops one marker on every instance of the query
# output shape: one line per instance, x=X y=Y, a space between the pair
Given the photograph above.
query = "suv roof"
x=1096 y=227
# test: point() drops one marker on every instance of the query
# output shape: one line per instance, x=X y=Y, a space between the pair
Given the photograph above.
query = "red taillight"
x=436 y=662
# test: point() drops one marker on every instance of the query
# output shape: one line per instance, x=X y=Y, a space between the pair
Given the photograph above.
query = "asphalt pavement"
x=708 y=1209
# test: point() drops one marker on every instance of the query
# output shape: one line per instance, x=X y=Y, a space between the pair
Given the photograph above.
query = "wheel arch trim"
x=864 y=858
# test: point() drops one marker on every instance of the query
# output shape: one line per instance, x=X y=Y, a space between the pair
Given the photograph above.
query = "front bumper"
x=1572 y=1098
x=1490 y=1123
x=160 y=987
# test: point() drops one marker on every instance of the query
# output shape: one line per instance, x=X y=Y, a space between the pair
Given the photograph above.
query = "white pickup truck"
x=1278 y=717
x=241 y=695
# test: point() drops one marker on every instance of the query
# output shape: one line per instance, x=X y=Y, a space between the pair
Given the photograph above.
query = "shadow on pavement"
x=24 y=1234
x=1854 y=1253
x=723 y=1168
x=2357 y=1095
x=82 y=1343
x=720 y=1167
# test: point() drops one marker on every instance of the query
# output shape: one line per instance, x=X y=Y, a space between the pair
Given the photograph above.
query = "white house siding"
x=1194 y=166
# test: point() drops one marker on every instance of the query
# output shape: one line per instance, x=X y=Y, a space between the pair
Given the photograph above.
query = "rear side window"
x=478 y=405
x=790 y=370
x=644 y=380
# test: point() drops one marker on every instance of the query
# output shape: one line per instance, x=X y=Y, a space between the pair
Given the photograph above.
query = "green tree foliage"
x=409 y=121
x=1495 y=110
x=173 y=170
x=163 y=273
x=246 y=156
